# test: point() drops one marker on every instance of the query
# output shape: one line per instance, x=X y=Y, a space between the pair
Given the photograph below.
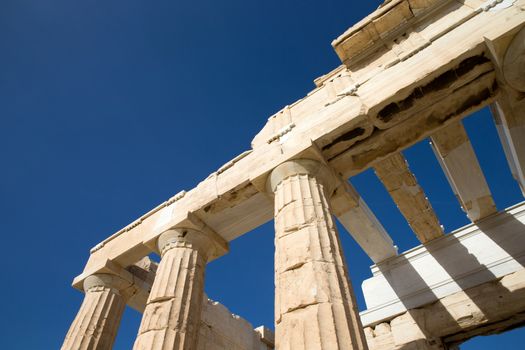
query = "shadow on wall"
x=435 y=327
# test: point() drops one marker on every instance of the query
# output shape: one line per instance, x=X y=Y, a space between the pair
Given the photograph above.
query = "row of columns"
x=315 y=307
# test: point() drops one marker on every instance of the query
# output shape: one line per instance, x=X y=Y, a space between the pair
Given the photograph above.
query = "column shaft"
x=315 y=307
x=96 y=324
x=172 y=315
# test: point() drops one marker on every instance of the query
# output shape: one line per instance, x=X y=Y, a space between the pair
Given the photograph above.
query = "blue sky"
x=108 y=108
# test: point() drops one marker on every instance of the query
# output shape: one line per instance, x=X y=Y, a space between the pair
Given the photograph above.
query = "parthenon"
x=411 y=70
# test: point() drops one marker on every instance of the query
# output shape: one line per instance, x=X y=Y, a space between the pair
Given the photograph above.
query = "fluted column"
x=314 y=303
x=172 y=315
x=96 y=324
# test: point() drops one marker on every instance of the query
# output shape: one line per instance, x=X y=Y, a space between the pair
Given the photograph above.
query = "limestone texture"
x=172 y=315
x=96 y=324
x=492 y=307
x=314 y=303
x=222 y=330
x=409 y=197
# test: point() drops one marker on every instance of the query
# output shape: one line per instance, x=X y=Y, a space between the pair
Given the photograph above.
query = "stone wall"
x=492 y=307
x=221 y=330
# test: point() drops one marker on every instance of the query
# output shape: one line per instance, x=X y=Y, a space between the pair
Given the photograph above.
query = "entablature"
x=349 y=128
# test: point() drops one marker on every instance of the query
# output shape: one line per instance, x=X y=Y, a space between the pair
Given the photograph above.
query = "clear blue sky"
x=108 y=108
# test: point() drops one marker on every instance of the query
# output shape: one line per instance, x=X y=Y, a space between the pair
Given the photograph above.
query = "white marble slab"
x=470 y=256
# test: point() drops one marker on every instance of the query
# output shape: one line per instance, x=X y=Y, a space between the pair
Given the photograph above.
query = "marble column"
x=172 y=315
x=315 y=307
x=96 y=324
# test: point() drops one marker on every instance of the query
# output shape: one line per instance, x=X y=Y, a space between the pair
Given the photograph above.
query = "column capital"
x=207 y=245
x=106 y=280
x=308 y=253
x=303 y=167
x=171 y=318
x=96 y=324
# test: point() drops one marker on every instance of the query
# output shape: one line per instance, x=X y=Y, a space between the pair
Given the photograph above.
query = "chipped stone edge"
x=283 y=131
x=139 y=221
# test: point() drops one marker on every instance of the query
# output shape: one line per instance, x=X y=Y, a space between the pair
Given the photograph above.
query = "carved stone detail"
x=315 y=307
x=514 y=62
x=96 y=324
x=172 y=315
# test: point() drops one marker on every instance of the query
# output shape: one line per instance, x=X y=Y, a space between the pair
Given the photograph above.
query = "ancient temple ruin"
x=411 y=70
